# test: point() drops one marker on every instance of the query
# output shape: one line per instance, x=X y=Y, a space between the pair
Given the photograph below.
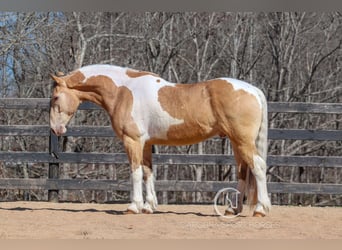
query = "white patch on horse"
x=148 y=114
x=117 y=74
x=238 y=84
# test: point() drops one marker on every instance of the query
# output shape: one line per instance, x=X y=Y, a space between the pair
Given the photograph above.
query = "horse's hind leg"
x=259 y=171
x=248 y=154
x=241 y=187
x=151 y=198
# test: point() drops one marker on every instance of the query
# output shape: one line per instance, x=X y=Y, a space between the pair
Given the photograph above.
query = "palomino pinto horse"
x=145 y=109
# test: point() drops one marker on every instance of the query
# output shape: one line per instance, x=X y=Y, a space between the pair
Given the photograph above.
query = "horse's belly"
x=182 y=134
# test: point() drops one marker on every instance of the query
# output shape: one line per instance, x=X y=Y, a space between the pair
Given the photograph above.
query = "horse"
x=147 y=110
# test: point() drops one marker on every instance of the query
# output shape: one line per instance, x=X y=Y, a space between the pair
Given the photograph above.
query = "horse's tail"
x=261 y=141
x=261 y=145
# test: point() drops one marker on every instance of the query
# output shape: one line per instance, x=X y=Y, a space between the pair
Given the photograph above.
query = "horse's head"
x=64 y=104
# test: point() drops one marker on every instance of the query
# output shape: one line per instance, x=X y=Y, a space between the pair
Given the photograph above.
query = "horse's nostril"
x=54 y=131
x=58 y=130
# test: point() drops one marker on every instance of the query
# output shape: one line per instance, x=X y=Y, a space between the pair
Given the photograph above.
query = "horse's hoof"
x=146 y=211
x=228 y=213
x=128 y=211
x=258 y=214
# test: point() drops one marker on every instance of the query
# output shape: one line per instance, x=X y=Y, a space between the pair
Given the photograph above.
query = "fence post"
x=53 y=166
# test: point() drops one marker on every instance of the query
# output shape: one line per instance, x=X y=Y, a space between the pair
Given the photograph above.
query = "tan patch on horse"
x=123 y=113
x=191 y=103
x=210 y=108
x=240 y=117
x=136 y=73
x=239 y=109
x=74 y=79
x=103 y=89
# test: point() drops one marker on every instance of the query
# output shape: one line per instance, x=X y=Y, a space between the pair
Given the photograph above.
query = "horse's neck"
x=100 y=84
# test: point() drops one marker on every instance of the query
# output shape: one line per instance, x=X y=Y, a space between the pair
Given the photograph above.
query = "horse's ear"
x=59 y=80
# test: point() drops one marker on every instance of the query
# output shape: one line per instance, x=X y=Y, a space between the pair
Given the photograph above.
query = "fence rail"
x=107 y=131
x=170 y=159
x=54 y=184
x=273 y=107
x=170 y=185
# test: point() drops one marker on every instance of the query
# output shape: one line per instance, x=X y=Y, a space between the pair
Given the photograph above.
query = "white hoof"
x=262 y=209
x=135 y=207
x=150 y=205
x=147 y=209
x=265 y=204
x=152 y=202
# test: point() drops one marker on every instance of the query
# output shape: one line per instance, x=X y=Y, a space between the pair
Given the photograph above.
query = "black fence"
x=54 y=157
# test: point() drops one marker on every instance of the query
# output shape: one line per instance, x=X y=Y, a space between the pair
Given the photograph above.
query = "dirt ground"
x=43 y=220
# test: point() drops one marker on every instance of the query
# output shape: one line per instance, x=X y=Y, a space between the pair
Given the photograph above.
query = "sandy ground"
x=43 y=220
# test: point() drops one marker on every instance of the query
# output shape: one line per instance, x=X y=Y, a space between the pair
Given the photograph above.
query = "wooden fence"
x=54 y=157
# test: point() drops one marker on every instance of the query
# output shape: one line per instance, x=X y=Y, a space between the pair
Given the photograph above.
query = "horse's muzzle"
x=59 y=130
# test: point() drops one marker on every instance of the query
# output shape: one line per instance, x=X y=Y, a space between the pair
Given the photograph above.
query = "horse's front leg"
x=151 y=198
x=134 y=150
